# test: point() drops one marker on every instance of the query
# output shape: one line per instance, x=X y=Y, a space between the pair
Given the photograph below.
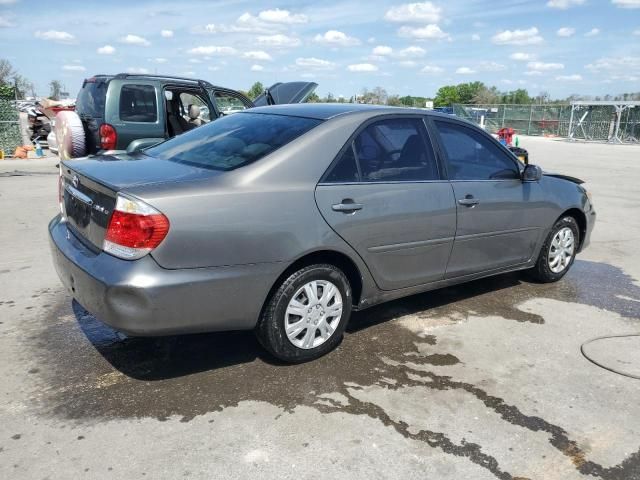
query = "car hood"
x=119 y=172
x=564 y=177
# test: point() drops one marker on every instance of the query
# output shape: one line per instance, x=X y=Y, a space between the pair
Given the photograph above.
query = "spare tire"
x=70 y=135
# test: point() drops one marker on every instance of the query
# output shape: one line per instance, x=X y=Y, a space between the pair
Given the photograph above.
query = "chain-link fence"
x=10 y=136
x=599 y=121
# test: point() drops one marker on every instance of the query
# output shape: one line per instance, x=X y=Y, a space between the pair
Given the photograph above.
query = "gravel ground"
x=480 y=381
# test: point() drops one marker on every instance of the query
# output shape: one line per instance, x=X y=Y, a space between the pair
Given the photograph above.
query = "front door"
x=384 y=195
x=500 y=217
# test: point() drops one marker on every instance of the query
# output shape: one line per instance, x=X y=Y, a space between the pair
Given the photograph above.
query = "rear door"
x=135 y=109
x=499 y=215
x=288 y=92
x=385 y=196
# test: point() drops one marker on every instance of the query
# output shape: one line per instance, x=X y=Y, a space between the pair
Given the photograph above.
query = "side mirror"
x=531 y=173
x=142 y=143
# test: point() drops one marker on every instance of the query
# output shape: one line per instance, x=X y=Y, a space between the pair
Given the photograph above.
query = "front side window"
x=233 y=141
x=472 y=156
x=396 y=149
x=138 y=103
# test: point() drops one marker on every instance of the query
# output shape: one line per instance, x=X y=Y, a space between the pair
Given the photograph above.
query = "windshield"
x=232 y=141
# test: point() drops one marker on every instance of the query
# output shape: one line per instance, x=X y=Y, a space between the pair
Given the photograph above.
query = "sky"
x=590 y=47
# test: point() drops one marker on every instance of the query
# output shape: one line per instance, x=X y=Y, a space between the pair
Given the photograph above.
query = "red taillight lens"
x=108 y=137
x=137 y=231
x=134 y=229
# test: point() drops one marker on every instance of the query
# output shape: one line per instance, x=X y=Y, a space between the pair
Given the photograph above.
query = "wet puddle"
x=93 y=372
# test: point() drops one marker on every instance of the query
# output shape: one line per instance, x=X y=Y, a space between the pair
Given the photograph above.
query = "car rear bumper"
x=141 y=298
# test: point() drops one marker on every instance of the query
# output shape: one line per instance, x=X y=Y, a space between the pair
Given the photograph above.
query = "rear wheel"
x=558 y=251
x=305 y=318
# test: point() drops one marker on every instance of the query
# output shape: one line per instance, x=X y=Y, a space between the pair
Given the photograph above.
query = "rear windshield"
x=91 y=98
x=232 y=141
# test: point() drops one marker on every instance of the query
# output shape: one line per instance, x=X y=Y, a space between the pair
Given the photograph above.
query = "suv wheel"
x=558 y=251
x=306 y=317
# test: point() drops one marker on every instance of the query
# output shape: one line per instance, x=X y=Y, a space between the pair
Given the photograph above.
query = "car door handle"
x=347 y=206
x=469 y=201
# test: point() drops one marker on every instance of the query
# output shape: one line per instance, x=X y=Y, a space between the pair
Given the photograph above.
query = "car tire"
x=297 y=338
x=70 y=135
x=558 y=252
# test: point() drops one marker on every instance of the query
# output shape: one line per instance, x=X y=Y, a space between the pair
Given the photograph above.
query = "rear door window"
x=233 y=141
x=395 y=149
x=473 y=156
x=138 y=104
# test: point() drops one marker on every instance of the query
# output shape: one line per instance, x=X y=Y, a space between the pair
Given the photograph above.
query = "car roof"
x=158 y=78
x=326 y=111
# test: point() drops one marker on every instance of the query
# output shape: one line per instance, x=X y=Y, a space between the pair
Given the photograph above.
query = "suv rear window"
x=91 y=98
x=138 y=103
x=233 y=141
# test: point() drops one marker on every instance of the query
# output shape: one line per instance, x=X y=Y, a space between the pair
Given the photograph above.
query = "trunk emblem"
x=75 y=181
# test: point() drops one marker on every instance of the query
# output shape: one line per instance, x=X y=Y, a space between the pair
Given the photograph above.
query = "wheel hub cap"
x=561 y=250
x=313 y=314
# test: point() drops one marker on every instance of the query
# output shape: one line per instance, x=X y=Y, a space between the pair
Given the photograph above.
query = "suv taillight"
x=108 y=137
x=134 y=229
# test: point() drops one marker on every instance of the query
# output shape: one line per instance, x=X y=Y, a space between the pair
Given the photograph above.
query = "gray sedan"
x=286 y=218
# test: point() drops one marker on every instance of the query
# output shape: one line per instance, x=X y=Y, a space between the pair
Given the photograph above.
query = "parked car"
x=114 y=111
x=283 y=219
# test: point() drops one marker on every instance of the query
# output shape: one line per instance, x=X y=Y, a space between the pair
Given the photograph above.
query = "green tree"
x=313 y=98
x=446 y=96
x=56 y=89
x=255 y=90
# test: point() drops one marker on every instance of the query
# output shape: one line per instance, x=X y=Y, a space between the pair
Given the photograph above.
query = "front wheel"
x=306 y=317
x=558 y=251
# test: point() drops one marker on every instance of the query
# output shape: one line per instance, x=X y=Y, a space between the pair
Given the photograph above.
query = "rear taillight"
x=108 y=137
x=134 y=229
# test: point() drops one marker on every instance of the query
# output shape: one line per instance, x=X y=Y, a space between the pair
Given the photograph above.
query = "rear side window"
x=138 y=103
x=91 y=98
x=233 y=141
x=472 y=156
x=391 y=150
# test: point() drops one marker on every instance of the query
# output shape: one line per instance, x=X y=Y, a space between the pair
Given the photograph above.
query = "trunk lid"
x=283 y=93
x=90 y=187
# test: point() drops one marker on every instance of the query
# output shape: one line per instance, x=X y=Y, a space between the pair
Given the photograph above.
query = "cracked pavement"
x=484 y=380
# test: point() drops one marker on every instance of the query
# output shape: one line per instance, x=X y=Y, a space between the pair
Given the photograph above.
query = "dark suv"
x=126 y=111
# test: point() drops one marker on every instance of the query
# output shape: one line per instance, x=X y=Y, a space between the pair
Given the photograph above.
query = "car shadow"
x=160 y=358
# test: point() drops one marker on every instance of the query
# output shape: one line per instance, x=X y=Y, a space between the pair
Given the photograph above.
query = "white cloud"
x=159 y=60
x=623 y=65
x=465 y=71
x=315 y=63
x=491 y=67
x=382 y=50
x=55 y=35
x=8 y=2
x=407 y=63
x=282 y=16
x=5 y=22
x=518 y=37
x=135 y=40
x=257 y=68
x=425 y=12
x=626 y=3
x=592 y=33
x=195 y=60
x=362 y=67
x=431 y=69
x=278 y=40
x=475 y=37
x=422 y=33
x=166 y=33
x=336 y=38
x=212 y=50
x=412 y=52
x=532 y=73
x=565 y=31
x=106 y=50
x=137 y=70
x=73 y=68
x=544 y=67
x=569 y=78
x=636 y=32
x=521 y=56
x=564 y=4
x=258 y=55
